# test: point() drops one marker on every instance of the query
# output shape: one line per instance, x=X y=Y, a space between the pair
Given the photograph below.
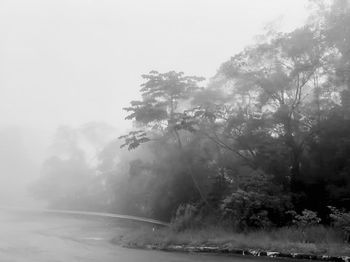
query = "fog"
x=72 y=62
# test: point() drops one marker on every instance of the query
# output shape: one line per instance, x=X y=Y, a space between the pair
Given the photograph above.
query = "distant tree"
x=68 y=176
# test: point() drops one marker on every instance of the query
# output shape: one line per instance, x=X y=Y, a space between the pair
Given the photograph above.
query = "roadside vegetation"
x=305 y=235
x=257 y=157
x=317 y=240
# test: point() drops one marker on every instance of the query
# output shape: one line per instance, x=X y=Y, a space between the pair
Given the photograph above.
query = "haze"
x=73 y=62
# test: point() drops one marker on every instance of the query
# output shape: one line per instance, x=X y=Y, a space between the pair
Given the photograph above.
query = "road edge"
x=236 y=251
x=87 y=213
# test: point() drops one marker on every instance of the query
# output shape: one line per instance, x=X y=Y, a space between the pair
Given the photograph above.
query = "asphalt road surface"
x=37 y=237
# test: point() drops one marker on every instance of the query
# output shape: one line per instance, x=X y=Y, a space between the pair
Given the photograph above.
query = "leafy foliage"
x=266 y=139
x=306 y=218
x=255 y=203
x=341 y=218
x=134 y=139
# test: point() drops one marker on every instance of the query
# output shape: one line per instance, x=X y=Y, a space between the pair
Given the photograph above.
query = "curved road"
x=26 y=236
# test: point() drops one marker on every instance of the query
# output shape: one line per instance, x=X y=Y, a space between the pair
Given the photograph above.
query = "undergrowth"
x=316 y=239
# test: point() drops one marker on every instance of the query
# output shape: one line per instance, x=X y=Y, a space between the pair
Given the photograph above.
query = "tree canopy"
x=267 y=136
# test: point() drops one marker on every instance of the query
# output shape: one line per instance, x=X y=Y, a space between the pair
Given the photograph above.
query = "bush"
x=186 y=217
x=246 y=209
x=341 y=219
x=256 y=202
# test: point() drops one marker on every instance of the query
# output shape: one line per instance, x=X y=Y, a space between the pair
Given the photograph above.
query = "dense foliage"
x=265 y=143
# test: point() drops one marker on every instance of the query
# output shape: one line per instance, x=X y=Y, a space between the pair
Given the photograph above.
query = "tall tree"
x=159 y=111
x=277 y=77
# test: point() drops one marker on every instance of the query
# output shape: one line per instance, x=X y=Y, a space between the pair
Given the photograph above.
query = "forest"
x=264 y=143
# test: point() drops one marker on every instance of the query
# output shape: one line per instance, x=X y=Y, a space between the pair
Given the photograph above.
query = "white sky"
x=74 y=61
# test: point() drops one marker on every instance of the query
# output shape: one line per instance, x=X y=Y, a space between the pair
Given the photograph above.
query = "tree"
x=69 y=178
x=159 y=111
x=276 y=79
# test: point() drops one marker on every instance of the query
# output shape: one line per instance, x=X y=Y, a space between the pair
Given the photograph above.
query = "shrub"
x=186 y=217
x=341 y=219
x=246 y=209
x=256 y=202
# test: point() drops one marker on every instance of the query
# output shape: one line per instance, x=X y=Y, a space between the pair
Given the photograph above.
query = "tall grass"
x=312 y=240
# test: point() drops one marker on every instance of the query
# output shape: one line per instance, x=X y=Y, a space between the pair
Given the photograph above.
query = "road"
x=38 y=237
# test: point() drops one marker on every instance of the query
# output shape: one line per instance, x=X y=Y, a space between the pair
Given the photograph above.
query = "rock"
x=272 y=253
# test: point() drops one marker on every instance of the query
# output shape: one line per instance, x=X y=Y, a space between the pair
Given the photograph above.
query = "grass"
x=317 y=240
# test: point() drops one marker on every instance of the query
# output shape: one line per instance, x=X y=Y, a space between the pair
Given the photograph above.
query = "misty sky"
x=74 y=61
